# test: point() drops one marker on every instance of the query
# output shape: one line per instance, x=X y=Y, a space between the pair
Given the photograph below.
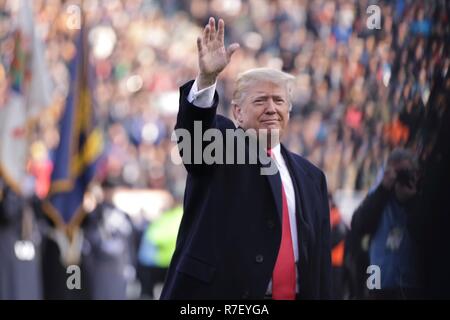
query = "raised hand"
x=212 y=55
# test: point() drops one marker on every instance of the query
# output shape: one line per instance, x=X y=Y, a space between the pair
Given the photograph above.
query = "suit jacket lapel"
x=275 y=186
x=302 y=185
x=304 y=206
x=274 y=179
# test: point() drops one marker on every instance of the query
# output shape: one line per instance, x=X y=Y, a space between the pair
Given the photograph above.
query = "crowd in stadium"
x=359 y=92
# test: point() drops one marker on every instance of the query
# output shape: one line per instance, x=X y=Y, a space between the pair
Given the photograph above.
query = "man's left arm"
x=325 y=259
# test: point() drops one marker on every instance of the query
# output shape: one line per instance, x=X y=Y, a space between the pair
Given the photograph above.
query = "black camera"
x=405 y=177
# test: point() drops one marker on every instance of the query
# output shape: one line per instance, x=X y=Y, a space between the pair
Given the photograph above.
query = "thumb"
x=231 y=49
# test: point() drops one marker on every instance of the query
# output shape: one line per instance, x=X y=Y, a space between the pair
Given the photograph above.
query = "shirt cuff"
x=202 y=98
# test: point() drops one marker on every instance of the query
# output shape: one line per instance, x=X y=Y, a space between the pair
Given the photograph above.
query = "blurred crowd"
x=360 y=92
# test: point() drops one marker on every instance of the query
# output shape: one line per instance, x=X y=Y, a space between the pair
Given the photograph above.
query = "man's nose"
x=271 y=107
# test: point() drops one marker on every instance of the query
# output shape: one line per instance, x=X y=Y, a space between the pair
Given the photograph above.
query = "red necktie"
x=283 y=278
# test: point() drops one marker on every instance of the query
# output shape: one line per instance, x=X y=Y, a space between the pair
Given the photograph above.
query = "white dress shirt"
x=204 y=99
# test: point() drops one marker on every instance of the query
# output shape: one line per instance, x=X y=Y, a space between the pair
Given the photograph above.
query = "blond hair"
x=253 y=76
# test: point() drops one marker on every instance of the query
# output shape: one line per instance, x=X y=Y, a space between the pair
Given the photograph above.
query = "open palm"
x=212 y=55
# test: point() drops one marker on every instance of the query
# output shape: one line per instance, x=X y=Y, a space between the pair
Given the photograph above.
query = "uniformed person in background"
x=20 y=270
x=109 y=252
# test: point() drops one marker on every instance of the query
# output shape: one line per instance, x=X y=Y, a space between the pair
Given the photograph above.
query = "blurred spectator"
x=393 y=219
x=156 y=249
x=338 y=234
x=20 y=258
x=108 y=247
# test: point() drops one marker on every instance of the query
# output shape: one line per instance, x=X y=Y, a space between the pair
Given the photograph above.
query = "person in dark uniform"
x=20 y=271
x=109 y=253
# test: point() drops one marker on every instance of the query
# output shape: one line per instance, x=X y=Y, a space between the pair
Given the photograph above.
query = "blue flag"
x=80 y=145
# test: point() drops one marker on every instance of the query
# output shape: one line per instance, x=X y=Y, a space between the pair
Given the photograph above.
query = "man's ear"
x=237 y=113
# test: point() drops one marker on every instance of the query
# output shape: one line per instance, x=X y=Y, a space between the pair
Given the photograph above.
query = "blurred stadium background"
x=360 y=93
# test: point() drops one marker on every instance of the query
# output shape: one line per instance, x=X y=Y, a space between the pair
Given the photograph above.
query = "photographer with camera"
x=390 y=215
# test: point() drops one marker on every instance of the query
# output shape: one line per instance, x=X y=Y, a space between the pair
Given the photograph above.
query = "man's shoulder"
x=224 y=122
x=311 y=169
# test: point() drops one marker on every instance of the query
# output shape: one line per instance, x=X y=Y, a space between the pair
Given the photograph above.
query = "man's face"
x=265 y=106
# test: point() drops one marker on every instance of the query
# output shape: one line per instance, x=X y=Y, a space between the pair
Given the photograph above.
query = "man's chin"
x=269 y=129
x=271 y=133
x=272 y=125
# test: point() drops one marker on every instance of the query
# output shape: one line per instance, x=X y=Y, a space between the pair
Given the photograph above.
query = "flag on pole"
x=30 y=93
x=80 y=145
